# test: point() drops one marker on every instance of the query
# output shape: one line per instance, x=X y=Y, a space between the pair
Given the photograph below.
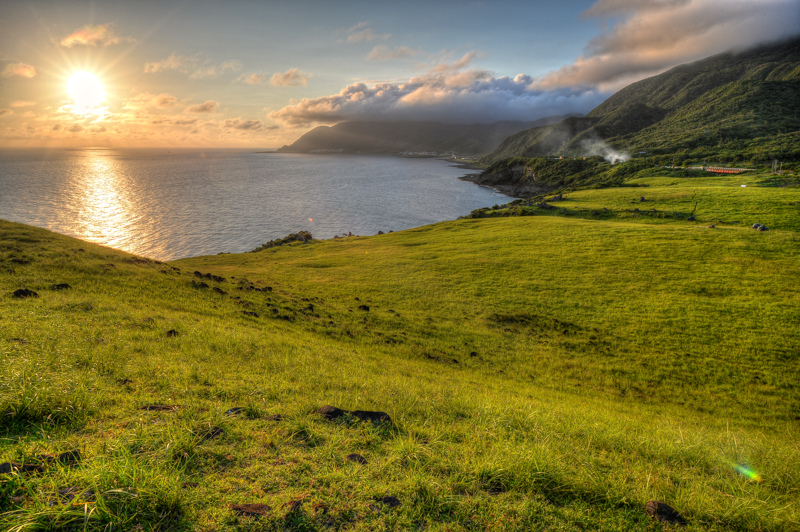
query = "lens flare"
x=747 y=472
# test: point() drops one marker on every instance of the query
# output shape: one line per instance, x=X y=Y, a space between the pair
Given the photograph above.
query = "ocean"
x=170 y=204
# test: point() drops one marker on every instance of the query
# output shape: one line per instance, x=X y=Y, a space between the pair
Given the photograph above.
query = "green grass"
x=553 y=371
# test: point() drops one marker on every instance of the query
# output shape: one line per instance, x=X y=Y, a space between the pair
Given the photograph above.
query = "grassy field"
x=550 y=371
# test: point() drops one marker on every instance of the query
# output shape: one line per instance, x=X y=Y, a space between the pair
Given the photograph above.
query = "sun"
x=87 y=91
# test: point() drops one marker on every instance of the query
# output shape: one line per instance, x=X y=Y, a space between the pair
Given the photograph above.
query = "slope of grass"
x=554 y=371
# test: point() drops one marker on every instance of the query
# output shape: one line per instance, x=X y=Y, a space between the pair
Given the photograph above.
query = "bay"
x=169 y=204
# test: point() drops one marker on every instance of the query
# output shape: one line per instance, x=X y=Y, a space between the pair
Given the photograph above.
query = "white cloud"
x=655 y=35
x=196 y=66
x=290 y=78
x=384 y=53
x=361 y=32
x=447 y=93
x=89 y=35
x=22 y=70
x=209 y=106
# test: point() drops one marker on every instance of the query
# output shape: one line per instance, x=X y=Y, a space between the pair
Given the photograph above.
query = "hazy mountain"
x=718 y=104
x=410 y=137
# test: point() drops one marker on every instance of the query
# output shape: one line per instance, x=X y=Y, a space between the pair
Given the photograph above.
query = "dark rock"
x=357 y=299
x=310 y=308
x=125 y=381
x=20 y=261
x=473 y=354
x=198 y=274
x=251 y=314
x=363 y=307
x=201 y=284
x=558 y=197
x=65 y=458
x=211 y=433
x=250 y=510
x=274 y=311
x=24 y=292
x=218 y=279
x=357 y=458
x=636 y=210
x=664 y=513
x=160 y=408
x=172 y=333
x=755 y=226
x=763 y=228
x=61 y=286
x=235 y=410
x=381 y=232
x=595 y=213
x=690 y=219
x=9 y=467
x=220 y=291
x=331 y=412
x=389 y=500
x=275 y=417
x=642 y=198
x=712 y=226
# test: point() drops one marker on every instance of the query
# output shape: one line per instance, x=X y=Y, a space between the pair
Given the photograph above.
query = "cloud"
x=18 y=69
x=75 y=128
x=98 y=129
x=146 y=100
x=383 y=53
x=22 y=103
x=209 y=106
x=195 y=66
x=447 y=93
x=92 y=36
x=654 y=35
x=6 y=112
x=238 y=123
x=290 y=78
x=57 y=127
x=252 y=79
x=361 y=32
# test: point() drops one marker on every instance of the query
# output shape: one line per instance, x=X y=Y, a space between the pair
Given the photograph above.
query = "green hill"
x=734 y=107
x=396 y=138
x=553 y=371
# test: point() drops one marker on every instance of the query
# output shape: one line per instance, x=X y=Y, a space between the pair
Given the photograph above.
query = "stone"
x=712 y=226
x=690 y=218
x=9 y=467
x=249 y=313
x=24 y=292
x=198 y=274
x=275 y=417
x=61 y=286
x=473 y=354
x=250 y=510
x=642 y=199
x=331 y=412
x=218 y=279
x=235 y=410
x=664 y=513
x=355 y=457
x=763 y=228
x=172 y=333
x=364 y=308
x=201 y=284
x=389 y=500
x=755 y=226
x=20 y=261
x=220 y=291
x=160 y=408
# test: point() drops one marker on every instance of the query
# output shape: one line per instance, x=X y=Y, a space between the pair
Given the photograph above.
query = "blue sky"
x=249 y=73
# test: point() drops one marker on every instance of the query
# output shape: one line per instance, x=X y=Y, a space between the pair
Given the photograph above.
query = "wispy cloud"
x=209 y=106
x=384 y=53
x=145 y=100
x=448 y=92
x=102 y=34
x=22 y=103
x=6 y=112
x=22 y=70
x=252 y=79
x=239 y=123
x=290 y=78
x=195 y=66
x=654 y=35
x=361 y=32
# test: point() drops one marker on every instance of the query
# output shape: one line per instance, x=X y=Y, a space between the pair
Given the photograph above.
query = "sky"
x=259 y=74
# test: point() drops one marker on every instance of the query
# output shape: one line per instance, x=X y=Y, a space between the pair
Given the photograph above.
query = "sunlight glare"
x=87 y=92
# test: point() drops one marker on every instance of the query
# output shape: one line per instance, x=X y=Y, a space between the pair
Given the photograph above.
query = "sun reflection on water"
x=105 y=208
